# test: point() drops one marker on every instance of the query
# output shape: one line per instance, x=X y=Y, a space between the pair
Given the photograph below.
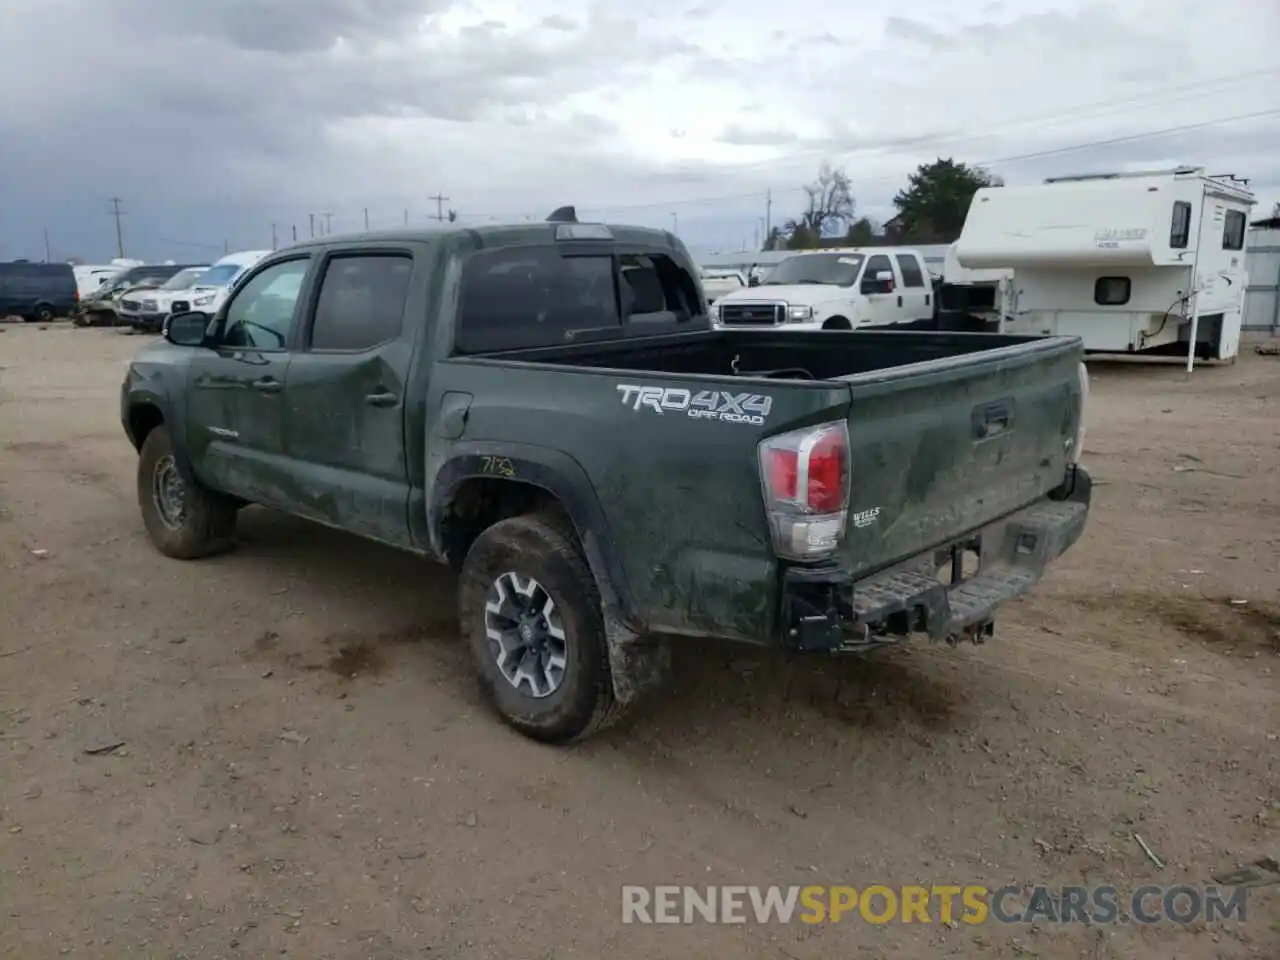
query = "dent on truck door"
x=235 y=390
x=344 y=416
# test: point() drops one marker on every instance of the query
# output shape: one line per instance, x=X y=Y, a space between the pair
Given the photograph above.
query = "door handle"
x=268 y=385
x=899 y=299
x=383 y=398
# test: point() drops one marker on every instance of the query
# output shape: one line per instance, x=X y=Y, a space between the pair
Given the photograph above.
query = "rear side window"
x=655 y=288
x=912 y=275
x=1233 y=231
x=361 y=302
x=533 y=296
x=1180 y=229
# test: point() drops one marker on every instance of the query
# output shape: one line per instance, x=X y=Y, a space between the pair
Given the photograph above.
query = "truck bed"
x=775 y=355
x=948 y=432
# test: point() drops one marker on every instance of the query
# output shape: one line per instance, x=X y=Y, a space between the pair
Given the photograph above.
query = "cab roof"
x=509 y=234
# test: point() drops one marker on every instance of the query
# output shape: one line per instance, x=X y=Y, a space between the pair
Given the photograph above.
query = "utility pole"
x=312 y=216
x=47 y=258
x=295 y=233
x=406 y=216
x=226 y=246
x=768 y=215
x=328 y=223
x=366 y=218
x=675 y=223
x=439 y=199
x=116 y=212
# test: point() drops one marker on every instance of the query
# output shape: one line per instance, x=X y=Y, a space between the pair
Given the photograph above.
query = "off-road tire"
x=539 y=546
x=837 y=323
x=208 y=524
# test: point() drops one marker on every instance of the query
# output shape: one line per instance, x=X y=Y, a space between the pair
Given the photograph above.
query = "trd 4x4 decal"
x=703 y=405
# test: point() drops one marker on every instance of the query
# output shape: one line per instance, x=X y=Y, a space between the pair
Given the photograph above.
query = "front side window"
x=361 y=303
x=877 y=264
x=260 y=315
x=533 y=296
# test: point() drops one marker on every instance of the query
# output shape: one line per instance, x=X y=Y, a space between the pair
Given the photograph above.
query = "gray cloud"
x=215 y=119
x=279 y=27
x=557 y=22
x=742 y=136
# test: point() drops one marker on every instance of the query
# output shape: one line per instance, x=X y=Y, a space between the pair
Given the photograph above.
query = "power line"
x=117 y=212
x=1091 y=110
x=1016 y=158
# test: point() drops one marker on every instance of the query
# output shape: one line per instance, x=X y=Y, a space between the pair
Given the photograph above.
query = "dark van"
x=37 y=291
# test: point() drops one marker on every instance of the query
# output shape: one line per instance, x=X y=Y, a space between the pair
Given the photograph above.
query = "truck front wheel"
x=183 y=520
x=530 y=610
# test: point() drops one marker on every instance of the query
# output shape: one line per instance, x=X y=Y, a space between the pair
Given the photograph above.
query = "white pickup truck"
x=835 y=289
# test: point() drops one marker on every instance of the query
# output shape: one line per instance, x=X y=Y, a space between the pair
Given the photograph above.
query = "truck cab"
x=835 y=289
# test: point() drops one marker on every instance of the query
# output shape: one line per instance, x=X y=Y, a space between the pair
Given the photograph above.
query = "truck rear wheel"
x=530 y=610
x=183 y=520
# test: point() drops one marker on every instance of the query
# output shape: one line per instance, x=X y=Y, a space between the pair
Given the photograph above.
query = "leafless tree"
x=830 y=205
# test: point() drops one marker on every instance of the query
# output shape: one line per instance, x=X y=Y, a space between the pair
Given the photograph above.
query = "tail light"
x=1078 y=449
x=805 y=475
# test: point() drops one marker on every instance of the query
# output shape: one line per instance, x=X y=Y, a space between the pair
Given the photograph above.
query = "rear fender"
x=636 y=660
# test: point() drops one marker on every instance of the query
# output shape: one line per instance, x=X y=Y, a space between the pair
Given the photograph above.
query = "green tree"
x=800 y=237
x=862 y=233
x=933 y=206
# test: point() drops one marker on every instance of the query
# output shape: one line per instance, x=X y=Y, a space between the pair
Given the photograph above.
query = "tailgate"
x=942 y=447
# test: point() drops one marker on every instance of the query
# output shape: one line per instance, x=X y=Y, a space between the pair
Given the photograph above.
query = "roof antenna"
x=563 y=215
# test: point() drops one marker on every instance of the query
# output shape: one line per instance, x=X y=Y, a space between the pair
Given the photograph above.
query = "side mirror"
x=882 y=282
x=187 y=329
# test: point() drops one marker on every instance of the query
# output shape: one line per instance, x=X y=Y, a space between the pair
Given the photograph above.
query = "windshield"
x=183 y=279
x=219 y=276
x=833 y=269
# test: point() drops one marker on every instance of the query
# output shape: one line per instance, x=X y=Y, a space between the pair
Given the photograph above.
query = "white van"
x=214 y=285
x=835 y=289
x=89 y=276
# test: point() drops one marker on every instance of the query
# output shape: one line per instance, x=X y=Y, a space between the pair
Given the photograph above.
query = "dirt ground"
x=303 y=767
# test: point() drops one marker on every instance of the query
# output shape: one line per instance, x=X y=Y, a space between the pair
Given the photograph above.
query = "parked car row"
x=142 y=297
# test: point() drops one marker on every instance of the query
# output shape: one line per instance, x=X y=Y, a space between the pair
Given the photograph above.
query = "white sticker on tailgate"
x=701 y=405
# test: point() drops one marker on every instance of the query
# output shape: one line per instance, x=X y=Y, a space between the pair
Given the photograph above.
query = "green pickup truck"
x=547 y=408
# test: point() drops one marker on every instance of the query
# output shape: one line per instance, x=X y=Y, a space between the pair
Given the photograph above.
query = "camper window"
x=1180 y=232
x=1111 y=291
x=1233 y=231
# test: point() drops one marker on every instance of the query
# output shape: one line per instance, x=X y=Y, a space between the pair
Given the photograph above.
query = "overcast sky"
x=214 y=119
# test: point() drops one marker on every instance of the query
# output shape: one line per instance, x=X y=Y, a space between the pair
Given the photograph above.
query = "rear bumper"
x=825 y=609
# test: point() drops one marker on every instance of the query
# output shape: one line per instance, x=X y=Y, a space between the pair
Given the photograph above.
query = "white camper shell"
x=1147 y=262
